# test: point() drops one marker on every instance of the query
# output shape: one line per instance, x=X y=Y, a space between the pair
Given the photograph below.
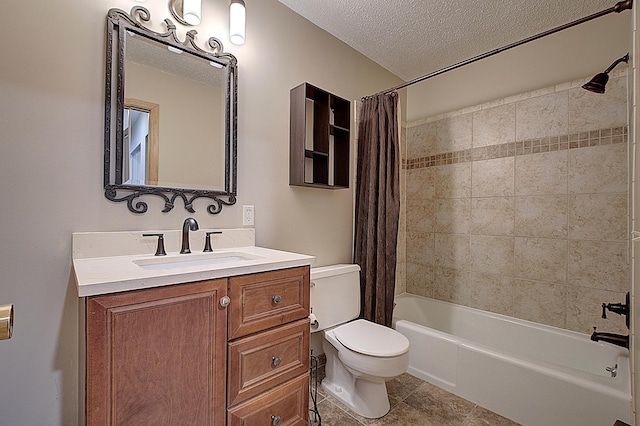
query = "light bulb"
x=237 y=22
x=192 y=11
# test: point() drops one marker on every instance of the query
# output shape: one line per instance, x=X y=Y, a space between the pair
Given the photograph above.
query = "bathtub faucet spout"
x=615 y=339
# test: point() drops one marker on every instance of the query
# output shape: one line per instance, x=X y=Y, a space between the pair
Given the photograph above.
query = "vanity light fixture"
x=187 y=12
x=237 y=22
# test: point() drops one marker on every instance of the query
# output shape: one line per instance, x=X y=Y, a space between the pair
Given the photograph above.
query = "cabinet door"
x=157 y=356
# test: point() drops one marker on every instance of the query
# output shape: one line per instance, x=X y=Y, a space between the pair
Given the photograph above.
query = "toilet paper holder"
x=6 y=321
x=313 y=321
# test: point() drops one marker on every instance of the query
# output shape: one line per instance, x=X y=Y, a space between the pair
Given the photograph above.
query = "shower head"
x=599 y=81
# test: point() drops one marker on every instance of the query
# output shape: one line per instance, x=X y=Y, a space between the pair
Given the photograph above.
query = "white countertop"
x=110 y=274
x=110 y=262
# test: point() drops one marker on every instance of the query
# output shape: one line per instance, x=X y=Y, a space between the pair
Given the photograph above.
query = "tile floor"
x=413 y=403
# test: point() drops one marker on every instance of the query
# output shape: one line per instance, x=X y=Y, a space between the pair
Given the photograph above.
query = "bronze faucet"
x=189 y=224
x=620 y=309
x=615 y=339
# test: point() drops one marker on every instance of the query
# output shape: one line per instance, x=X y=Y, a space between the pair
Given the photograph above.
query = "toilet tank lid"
x=329 y=271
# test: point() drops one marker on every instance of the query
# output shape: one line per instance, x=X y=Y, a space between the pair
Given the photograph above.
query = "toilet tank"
x=335 y=294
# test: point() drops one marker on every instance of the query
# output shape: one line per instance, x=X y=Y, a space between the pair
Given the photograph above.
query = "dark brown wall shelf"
x=310 y=154
x=335 y=129
x=319 y=138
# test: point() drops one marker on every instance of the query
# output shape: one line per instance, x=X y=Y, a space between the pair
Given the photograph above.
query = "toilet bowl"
x=361 y=355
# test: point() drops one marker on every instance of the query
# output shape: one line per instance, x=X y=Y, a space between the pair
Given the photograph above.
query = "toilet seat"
x=371 y=339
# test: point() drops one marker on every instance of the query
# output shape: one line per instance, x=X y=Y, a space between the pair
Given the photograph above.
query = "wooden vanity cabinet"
x=174 y=355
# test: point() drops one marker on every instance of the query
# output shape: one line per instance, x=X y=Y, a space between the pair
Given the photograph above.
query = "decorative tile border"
x=533 y=146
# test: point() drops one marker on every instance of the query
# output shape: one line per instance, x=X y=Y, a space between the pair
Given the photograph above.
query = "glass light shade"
x=237 y=22
x=192 y=11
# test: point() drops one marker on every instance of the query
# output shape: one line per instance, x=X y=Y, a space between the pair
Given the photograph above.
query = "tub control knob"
x=276 y=299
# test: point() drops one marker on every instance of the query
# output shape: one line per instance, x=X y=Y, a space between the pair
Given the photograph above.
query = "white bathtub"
x=531 y=373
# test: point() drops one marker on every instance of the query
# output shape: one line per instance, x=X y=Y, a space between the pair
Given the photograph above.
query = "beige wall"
x=52 y=83
x=580 y=51
x=519 y=206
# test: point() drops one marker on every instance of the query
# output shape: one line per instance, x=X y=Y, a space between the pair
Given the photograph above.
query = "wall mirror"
x=170 y=116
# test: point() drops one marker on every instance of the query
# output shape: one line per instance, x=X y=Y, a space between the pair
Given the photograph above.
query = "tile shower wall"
x=519 y=206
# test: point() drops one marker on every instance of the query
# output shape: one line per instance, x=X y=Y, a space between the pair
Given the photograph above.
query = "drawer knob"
x=276 y=299
x=224 y=301
x=275 y=420
x=276 y=361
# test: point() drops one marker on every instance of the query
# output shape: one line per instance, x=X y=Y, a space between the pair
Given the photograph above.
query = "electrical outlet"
x=247 y=215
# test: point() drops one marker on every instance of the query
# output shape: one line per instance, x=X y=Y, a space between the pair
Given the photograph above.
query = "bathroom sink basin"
x=195 y=260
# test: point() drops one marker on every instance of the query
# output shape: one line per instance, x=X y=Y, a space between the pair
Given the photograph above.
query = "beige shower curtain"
x=377 y=205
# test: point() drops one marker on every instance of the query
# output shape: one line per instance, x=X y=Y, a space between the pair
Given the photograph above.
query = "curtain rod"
x=619 y=7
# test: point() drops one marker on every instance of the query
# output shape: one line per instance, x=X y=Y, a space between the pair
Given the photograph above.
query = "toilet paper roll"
x=314 y=321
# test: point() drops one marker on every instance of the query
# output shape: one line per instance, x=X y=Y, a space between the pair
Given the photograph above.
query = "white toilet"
x=361 y=355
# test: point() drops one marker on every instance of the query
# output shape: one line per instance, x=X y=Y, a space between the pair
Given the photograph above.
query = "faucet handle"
x=160 y=248
x=207 y=241
x=604 y=311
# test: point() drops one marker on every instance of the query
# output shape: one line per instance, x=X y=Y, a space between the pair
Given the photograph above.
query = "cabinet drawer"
x=266 y=300
x=289 y=403
x=262 y=361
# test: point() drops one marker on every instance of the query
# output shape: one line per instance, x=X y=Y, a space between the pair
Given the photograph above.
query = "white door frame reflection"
x=141 y=134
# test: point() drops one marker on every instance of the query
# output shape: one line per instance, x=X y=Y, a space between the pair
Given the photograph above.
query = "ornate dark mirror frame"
x=119 y=23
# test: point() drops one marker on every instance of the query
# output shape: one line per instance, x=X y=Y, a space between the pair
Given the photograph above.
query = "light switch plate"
x=248 y=215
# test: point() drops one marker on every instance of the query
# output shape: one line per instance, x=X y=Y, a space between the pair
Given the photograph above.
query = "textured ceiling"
x=147 y=52
x=412 y=38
